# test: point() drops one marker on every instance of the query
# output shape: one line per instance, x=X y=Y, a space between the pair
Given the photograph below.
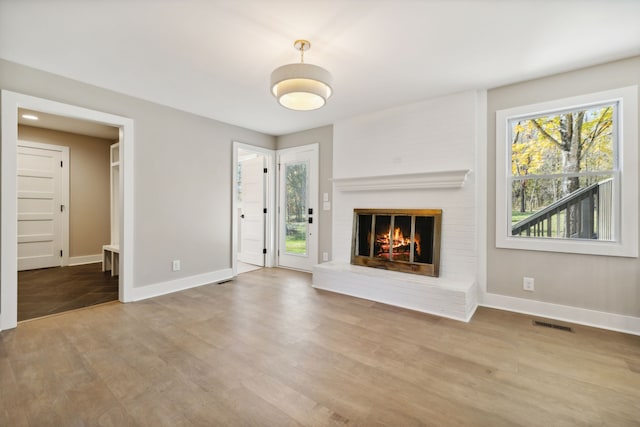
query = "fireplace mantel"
x=409 y=181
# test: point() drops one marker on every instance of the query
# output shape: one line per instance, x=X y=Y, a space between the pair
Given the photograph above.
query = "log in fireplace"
x=406 y=240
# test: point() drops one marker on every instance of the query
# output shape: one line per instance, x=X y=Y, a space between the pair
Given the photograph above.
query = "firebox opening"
x=402 y=240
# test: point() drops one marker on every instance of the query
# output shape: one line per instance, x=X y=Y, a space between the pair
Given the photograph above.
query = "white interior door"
x=298 y=213
x=42 y=180
x=252 y=215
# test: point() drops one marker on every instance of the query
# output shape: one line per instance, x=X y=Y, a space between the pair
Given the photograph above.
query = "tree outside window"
x=563 y=168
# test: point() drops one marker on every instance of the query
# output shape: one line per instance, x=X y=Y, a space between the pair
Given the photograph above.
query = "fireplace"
x=406 y=240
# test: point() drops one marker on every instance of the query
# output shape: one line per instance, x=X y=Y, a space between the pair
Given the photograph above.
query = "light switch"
x=326 y=206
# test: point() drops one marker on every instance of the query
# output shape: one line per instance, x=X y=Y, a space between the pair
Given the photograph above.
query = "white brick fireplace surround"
x=417 y=156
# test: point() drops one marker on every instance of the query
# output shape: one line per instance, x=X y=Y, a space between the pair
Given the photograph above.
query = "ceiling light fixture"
x=29 y=117
x=301 y=87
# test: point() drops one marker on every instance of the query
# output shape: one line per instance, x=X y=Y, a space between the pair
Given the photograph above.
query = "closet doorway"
x=12 y=103
x=64 y=182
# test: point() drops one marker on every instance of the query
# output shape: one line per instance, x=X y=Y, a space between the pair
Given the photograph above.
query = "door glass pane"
x=296 y=208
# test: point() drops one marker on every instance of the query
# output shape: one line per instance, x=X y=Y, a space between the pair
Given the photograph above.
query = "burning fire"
x=399 y=240
x=399 y=243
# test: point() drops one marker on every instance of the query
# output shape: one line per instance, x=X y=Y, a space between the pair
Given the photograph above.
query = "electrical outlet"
x=325 y=256
x=528 y=284
x=175 y=265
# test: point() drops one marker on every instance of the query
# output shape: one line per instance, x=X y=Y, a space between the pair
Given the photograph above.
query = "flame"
x=394 y=240
x=399 y=239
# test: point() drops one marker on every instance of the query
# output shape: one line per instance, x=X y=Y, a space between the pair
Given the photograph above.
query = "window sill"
x=574 y=246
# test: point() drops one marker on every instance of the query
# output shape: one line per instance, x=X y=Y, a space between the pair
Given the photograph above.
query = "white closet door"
x=252 y=214
x=41 y=210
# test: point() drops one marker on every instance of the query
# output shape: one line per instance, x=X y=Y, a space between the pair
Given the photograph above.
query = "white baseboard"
x=85 y=259
x=150 y=291
x=581 y=316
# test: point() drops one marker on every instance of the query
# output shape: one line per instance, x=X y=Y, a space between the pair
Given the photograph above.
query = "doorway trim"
x=10 y=102
x=270 y=229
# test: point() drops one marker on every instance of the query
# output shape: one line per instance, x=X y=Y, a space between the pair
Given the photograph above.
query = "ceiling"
x=67 y=124
x=214 y=58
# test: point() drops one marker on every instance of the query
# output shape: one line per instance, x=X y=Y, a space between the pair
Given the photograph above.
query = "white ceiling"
x=68 y=124
x=214 y=58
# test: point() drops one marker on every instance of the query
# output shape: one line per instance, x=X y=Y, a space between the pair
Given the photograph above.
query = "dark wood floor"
x=53 y=290
x=269 y=350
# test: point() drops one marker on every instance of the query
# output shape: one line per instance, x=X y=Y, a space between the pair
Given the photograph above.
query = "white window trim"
x=626 y=243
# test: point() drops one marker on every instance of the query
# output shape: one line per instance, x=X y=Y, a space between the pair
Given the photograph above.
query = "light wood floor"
x=269 y=350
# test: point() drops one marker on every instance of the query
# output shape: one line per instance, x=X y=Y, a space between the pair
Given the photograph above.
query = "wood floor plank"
x=295 y=404
x=268 y=349
x=47 y=291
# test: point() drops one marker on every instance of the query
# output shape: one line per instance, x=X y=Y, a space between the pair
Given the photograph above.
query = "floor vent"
x=552 y=326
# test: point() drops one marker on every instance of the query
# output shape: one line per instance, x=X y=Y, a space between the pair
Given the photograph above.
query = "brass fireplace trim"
x=432 y=269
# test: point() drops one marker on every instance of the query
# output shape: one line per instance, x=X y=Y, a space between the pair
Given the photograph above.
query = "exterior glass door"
x=298 y=213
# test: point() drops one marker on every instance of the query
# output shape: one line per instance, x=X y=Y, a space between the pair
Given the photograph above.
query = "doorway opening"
x=253 y=207
x=64 y=223
x=287 y=226
x=11 y=103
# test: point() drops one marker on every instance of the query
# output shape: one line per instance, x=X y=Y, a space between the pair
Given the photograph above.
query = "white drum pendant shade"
x=301 y=87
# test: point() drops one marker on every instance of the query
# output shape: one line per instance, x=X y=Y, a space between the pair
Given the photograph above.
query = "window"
x=563 y=169
x=567 y=175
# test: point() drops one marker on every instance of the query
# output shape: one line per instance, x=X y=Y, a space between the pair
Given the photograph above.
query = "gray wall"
x=324 y=137
x=609 y=284
x=182 y=169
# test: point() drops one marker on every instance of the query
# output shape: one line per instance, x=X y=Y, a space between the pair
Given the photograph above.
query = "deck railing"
x=584 y=214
